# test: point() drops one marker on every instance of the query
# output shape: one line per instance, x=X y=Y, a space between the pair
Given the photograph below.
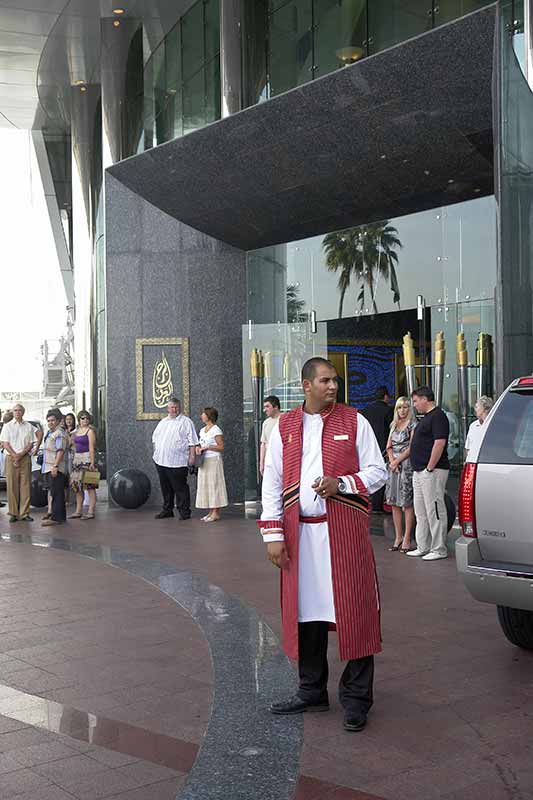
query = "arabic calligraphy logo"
x=162 y=387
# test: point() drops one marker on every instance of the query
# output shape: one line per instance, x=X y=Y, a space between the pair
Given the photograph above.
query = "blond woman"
x=399 y=489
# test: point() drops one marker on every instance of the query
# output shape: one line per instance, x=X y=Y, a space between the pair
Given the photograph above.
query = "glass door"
x=273 y=356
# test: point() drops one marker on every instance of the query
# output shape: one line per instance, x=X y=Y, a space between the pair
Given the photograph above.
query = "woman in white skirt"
x=211 y=487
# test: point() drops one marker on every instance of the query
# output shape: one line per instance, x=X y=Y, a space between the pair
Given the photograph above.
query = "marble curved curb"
x=246 y=752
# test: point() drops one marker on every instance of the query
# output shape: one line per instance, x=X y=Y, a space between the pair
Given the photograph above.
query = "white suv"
x=495 y=553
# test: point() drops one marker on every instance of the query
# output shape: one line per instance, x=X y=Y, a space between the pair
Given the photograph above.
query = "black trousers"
x=356 y=683
x=173 y=481
x=377 y=499
x=56 y=487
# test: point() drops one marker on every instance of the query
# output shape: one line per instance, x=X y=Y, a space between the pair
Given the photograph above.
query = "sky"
x=29 y=270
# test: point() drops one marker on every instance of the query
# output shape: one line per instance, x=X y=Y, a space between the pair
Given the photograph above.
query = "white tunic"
x=315 y=588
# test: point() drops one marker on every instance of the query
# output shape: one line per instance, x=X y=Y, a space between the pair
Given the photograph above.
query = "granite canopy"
x=401 y=131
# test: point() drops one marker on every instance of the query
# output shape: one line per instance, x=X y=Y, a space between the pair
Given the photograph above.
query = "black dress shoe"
x=297 y=706
x=164 y=514
x=27 y=518
x=354 y=722
x=12 y=518
x=181 y=517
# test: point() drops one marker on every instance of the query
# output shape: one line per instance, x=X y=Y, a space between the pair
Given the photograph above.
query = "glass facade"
x=182 y=77
x=515 y=188
x=359 y=290
x=310 y=38
x=285 y=43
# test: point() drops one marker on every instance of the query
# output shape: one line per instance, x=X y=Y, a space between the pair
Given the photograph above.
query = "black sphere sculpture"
x=38 y=496
x=130 y=488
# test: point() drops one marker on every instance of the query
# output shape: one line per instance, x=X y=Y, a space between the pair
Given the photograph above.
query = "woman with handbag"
x=83 y=462
x=211 y=487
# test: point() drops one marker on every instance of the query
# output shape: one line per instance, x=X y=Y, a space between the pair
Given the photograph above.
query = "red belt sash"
x=314 y=520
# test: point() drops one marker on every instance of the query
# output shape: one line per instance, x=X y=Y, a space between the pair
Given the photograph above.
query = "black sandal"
x=395 y=548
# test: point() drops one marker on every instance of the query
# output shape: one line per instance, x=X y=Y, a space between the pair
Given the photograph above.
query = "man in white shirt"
x=174 y=441
x=475 y=432
x=272 y=410
x=19 y=440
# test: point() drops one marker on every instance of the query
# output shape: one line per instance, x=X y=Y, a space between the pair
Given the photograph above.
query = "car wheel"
x=517 y=625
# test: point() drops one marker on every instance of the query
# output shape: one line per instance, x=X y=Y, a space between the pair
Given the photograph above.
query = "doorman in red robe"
x=322 y=463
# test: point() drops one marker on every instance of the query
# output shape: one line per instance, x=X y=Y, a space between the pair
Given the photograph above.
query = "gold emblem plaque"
x=172 y=356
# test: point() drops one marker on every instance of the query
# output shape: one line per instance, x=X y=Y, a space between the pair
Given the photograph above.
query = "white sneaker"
x=433 y=556
x=417 y=553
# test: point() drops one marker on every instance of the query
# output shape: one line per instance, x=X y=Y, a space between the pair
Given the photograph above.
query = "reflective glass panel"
x=192 y=38
x=291 y=46
x=282 y=349
x=212 y=28
x=173 y=58
x=194 y=112
x=447 y=255
x=212 y=91
x=447 y=10
x=393 y=21
x=340 y=33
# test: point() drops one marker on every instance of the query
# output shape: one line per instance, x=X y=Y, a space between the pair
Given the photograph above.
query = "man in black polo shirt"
x=380 y=415
x=429 y=459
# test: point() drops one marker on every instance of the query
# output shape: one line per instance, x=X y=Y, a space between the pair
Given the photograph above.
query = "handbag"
x=40 y=458
x=90 y=476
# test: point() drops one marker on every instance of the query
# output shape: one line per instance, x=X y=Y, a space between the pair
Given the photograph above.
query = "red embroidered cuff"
x=270 y=524
x=359 y=485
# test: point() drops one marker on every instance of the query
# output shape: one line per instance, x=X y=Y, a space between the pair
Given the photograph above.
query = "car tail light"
x=522 y=383
x=467 y=501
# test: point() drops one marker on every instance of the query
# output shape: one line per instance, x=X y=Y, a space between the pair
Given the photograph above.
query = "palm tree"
x=295 y=304
x=368 y=253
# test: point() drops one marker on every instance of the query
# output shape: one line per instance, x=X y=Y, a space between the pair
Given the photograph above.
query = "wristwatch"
x=343 y=489
x=428 y=469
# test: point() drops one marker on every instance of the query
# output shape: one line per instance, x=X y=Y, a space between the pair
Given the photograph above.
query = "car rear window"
x=509 y=438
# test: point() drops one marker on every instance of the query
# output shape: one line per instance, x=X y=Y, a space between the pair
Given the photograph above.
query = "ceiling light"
x=116 y=23
x=79 y=83
x=118 y=11
x=349 y=55
x=83 y=88
x=451 y=180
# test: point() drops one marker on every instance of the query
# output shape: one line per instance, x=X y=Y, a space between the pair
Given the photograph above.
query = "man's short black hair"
x=273 y=400
x=310 y=367
x=424 y=391
x=56 y=414
x=381 y=393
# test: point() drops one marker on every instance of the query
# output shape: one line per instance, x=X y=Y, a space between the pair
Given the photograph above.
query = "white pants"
x=430 y=510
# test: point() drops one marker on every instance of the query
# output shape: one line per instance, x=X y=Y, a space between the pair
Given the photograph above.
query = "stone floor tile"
x=145 y=773
x=66 y=771
x=24 y=781
x=103 y=784
x=165 y=790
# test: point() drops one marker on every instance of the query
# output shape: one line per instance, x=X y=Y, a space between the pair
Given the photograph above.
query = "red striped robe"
x=355 y=587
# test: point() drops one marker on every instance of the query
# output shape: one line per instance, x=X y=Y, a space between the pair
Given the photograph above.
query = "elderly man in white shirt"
x=482 y=408
x=174 y=441
x=20 y=439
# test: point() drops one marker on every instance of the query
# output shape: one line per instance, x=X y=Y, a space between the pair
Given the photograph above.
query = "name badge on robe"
x=342 y=437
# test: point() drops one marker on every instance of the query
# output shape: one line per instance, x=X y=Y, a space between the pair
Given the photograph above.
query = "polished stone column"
x=122 y=87
x=86 y=191
x=231 y=83
x=528 y=40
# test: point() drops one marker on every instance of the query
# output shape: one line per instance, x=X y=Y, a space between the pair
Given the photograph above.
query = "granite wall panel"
x=164 y=279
